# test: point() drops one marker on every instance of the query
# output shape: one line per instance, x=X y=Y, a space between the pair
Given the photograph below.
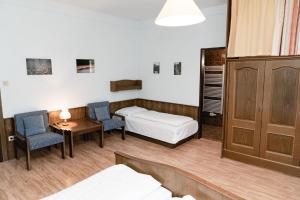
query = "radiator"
x=213 y=89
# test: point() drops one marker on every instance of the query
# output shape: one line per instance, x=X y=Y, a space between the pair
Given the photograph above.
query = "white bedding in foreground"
x=118 y=182
x=161 y=131
x=165 y=118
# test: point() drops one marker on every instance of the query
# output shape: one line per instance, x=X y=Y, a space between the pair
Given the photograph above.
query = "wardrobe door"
x=281 y=112
x=245 y=94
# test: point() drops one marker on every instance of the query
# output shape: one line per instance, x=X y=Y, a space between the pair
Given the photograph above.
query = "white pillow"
x=128 y=111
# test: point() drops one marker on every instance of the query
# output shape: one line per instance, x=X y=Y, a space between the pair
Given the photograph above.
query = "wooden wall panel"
x=9 y=131
x=76 y=113
x=214 y=56
x=81 y=112
x=177 y=109
x=3 y=143
x=114 y=106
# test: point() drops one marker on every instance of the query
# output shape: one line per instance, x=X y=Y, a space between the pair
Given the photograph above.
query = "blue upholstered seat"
x=40 y=136
x=44 y=140
x=109 y=124
x=33 y=132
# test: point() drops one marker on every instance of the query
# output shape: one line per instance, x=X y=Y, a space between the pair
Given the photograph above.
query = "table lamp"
x=65 y=115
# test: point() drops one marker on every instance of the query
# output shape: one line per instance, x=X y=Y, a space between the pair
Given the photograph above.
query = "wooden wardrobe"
x=262 y=107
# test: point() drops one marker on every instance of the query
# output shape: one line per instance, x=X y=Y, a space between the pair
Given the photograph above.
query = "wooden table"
x=79 y=127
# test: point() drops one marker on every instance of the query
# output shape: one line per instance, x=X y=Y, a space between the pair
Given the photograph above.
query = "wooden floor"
x=50 y=173
x=212 y=132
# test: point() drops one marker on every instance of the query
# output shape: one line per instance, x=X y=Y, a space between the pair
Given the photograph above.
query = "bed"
x=167 y=129
x=137 y=179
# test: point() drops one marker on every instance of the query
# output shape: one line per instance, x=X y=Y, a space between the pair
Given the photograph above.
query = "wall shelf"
x=121 y=85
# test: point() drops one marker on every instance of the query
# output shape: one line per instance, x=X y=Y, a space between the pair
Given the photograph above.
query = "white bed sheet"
x=118 y=182
x=161 y=131
x=166 y=118
x=160 y=194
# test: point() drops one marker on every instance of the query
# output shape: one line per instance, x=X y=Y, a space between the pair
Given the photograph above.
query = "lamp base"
x=65 y=123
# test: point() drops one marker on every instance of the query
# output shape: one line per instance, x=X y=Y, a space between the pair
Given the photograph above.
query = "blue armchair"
x=100 y=112
x=33 y=132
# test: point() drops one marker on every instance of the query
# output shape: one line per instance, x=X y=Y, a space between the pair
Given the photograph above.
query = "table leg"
x=101 y=137
x=71 y=143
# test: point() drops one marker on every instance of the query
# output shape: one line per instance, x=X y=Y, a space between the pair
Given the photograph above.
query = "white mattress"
x=118 y=182
x=160 y=194
x=161 y=131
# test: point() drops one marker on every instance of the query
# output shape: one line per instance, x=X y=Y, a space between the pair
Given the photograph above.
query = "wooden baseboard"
x=261 y=162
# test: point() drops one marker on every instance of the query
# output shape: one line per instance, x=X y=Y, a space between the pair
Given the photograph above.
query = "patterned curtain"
x=264 y=28
x=290 y=28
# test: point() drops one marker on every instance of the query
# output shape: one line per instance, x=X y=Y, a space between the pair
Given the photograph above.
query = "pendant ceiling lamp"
x=179 y=13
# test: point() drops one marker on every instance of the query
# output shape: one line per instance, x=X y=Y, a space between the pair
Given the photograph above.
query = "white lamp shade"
x=65 y=114
x=179 y=13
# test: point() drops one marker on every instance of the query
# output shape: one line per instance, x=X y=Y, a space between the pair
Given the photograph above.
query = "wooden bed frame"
x=149 y=139
x=179 y=182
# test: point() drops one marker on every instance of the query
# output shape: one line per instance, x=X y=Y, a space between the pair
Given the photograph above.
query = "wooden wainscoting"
x=76 y=113
x=81 y=113
x=114 y=106
x=173 y=108
x=3 y=143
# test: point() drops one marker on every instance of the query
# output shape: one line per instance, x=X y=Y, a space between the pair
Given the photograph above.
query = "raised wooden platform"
x=199 y=157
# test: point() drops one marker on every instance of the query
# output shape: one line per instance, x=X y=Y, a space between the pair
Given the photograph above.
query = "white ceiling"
x=132 y=9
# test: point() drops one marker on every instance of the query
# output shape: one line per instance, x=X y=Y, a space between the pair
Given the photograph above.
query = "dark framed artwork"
x=85 y=65
x=156 y=68
x=37 y=66
x=177 y=68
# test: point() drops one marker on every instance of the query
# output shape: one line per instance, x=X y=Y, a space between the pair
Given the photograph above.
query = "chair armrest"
x=117 y=115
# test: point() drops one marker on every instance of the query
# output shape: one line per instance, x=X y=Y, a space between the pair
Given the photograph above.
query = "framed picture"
x=85 y=65
x=36 y=66
x=177 y=68
x=156 y=68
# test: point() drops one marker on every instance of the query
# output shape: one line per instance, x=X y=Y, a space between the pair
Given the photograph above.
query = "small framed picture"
x=36 y=66
x=156 y=68
x=177 y=68
x=85 y=66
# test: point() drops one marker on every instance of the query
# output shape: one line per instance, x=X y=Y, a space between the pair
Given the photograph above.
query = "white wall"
x=169 y=45
x=121 y=49
x=30 y=29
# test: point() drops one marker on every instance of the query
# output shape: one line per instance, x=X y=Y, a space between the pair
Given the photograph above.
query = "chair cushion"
x=102 y=113
x=91 y=108
x=19 y=120
x=113 y=124
x=44 y=140
x=34 y=125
